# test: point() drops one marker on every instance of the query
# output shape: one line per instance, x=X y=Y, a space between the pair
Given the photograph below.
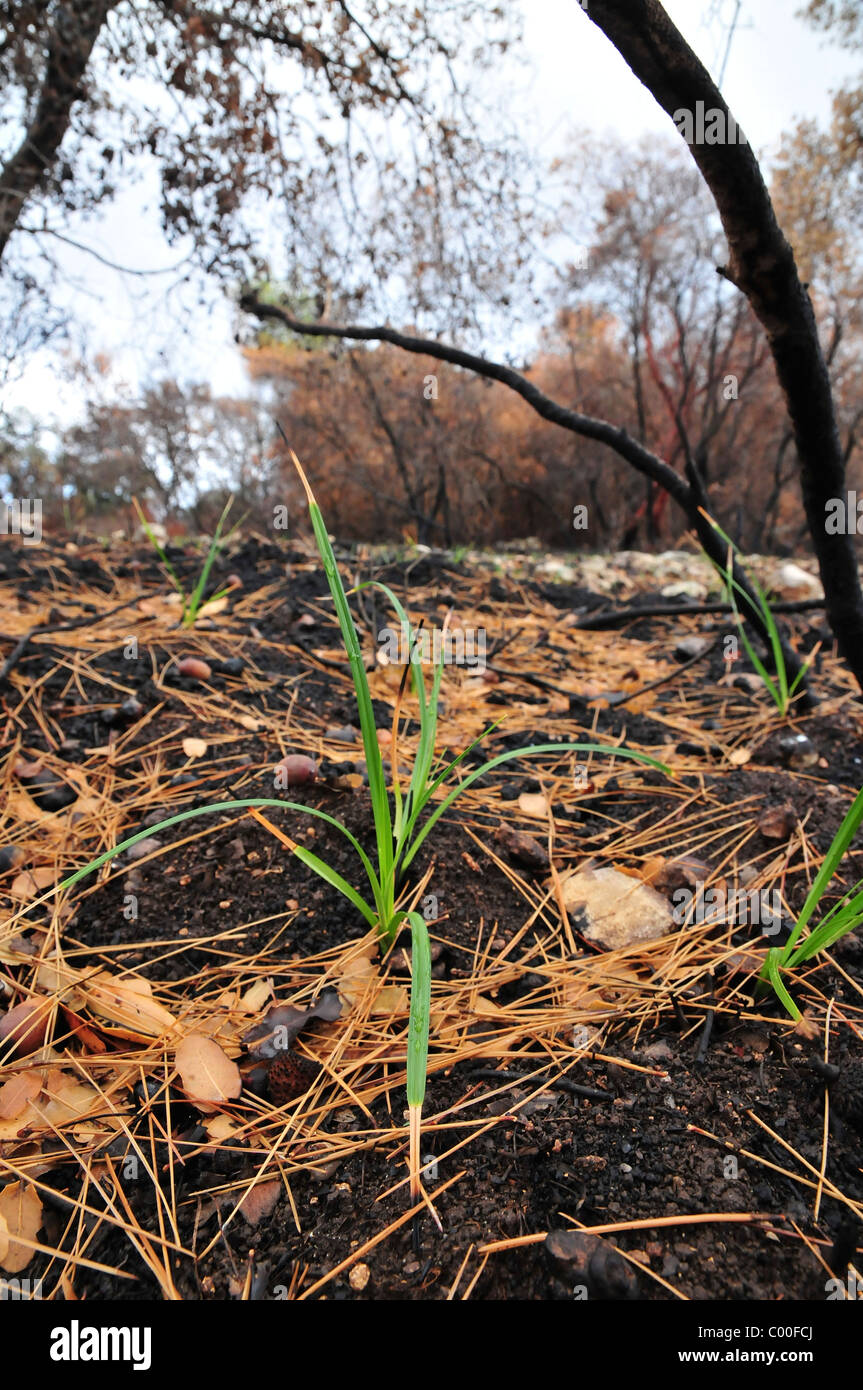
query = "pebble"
x=798 y=751
x=522 y=848
x=689 y=647
x=777 y=822
x=591 y=1261
x=143 y=848
x=11 y=857
x=295 y=770
x=195 y=668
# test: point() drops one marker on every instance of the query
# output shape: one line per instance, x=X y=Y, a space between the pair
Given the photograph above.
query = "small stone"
x=690 y=647
x=193 y=667
x=46 y=789
x=296 y=770
x=798 y=751
x=589 y=1260
x=11 y=857
x=143 y=848
x=686 y=871
x=778 y=822
x=792 y=582
x=522 y=848
x=359 y=1277
x=344 y=734
x=616 y=910
x=746 y=681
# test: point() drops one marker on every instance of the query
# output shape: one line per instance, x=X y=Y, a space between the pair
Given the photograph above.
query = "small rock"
x=684 y=872
x=798 y=751
x=296 y=770
x=143 y=848
x=746 y=681
x=589 y=1260
x=687 y=588
x=359 y=1277
x=46 y=789
x=193 y=667
x=778 y=822
x=522 y=849
x=401 y=959
x=11 y=857
x=689 y=647
x=792 y=582
x=344 y=734
x=616 y=910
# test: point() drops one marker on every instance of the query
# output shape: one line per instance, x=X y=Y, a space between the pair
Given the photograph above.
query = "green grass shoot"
x=781 y=692
x=191 y=602
x=400 y=823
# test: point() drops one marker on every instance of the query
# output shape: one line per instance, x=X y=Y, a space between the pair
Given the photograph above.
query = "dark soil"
x=625 y=1153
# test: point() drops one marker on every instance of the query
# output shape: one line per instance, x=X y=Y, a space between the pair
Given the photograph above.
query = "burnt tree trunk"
x=762 y=266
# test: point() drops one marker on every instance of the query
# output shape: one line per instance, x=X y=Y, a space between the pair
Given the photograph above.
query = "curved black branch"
x=689 y=496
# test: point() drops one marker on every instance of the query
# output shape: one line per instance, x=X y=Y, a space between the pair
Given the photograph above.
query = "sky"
x=779 y=70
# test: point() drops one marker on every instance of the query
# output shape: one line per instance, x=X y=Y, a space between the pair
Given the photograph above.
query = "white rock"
x=616 y=910
x=792 y=582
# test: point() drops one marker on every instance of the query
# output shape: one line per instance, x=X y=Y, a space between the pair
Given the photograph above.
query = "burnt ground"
x=694 y=1095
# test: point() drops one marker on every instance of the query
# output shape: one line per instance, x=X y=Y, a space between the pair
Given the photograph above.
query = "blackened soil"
x=672 y=1136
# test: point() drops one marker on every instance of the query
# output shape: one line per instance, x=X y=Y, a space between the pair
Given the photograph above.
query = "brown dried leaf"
x=16 y=1092
x=21 y=1212
x=128 y=1002
x=206 y=1072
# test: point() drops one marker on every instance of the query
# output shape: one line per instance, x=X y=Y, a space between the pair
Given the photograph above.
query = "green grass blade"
x=335 y=879
x=198 y=591
x=243 y=804
x=773 y=972
x=832 y=859
x=529 y=752
x=374 y=764
x=420 y=1010
x=171 y=572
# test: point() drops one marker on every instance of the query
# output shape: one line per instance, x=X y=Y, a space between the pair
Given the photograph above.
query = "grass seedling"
x=191 y=602
x=845 y=915
x=780 y=691
x=400 y=825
